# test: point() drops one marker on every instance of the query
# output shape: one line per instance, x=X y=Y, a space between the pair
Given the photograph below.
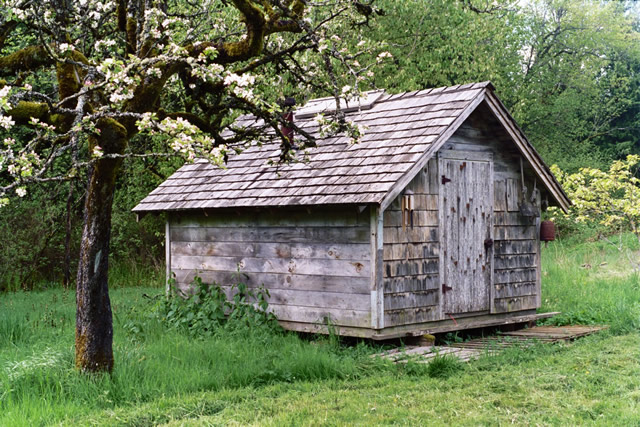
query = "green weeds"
x=206 y=309
x=592 y=283
x=205 y=370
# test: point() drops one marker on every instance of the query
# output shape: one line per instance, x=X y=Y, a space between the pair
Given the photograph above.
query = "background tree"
x=566 y=69
x=608 y=198
x=151 y=78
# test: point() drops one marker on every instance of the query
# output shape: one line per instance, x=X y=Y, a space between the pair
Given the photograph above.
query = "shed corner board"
x=377 y=256
x=167 y=251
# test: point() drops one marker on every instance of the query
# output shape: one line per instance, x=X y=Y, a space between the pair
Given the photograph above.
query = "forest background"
x=567 y=70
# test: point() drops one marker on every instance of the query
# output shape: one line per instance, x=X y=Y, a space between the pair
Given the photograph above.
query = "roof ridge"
x=415 y=93
x=437 y=90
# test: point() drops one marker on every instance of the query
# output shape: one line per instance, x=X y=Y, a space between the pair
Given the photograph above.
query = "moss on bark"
x=94 y=325
x=27 y=59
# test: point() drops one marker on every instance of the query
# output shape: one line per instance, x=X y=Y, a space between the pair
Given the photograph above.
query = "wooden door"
x=466 y=222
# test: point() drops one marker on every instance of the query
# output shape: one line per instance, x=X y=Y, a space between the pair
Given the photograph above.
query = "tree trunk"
x=94 y=326
x=67 y=239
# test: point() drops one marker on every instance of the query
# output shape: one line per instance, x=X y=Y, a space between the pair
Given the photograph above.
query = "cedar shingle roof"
x=402 y=131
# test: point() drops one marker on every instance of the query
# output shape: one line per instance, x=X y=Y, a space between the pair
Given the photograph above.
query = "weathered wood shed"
x=423 y=226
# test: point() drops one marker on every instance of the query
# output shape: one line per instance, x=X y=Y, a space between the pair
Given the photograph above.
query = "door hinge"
x=488 y=243
x=446 y=288
x=445 y=179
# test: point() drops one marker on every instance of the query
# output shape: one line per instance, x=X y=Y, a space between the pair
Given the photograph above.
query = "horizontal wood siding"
x=516 y=246
x=411 y=286
x=315 y=263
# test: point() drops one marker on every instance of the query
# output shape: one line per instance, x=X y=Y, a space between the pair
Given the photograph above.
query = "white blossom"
x=97 y=152
x=382 y=55
x=6 y=122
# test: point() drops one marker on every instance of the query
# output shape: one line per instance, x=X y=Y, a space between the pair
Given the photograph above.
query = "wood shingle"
x=400 y=132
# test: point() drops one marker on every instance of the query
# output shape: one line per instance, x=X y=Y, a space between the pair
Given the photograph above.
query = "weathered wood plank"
x=503 y=262
x=376 y=248
x=513 y=195
x=317 y=217
x=316 y=328
x=448 y=325
x=514 y=232
x=167 y=254
x=339 y=268
x=466 y=204
x=420 y=184
x=466 y=144
x=410 y=315
x=306 y=298
x=484 y=156
x=272 y=235
x=413 y=283
x=515 y=289
x=319 y=283
x=413 y=299
x=510 y=304
x=538 y=262
x=352 y=318
x=512 y=218
x=420 y=218
x=410 y=251
x=434 y=182
x=427 y=202
x=509 y=247
x=467 y=131
x=410 y=235
x=500 y=196
x=515 y=275
x=410 y=268
x=344 y=251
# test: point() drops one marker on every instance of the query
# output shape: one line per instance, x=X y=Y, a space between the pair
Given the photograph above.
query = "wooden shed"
x=423 y=226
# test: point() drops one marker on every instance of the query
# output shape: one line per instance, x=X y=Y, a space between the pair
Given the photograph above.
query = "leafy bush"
x=206 y=308
x=610 y=199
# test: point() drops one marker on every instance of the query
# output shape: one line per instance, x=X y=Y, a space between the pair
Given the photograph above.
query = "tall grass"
x=129 y=274
x=38 y=380
x=589 y=282
x=593 y=282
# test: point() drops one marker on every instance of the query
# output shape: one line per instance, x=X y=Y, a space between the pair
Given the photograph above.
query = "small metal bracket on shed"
x=445 y=179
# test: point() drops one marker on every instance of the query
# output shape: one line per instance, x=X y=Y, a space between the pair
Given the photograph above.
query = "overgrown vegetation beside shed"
x=429 y=224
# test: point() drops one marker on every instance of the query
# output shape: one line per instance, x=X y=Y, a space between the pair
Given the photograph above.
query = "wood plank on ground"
x=473 y=349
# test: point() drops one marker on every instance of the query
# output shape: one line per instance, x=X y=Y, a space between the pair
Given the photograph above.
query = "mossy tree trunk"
x=83 y=94
x=94 y=329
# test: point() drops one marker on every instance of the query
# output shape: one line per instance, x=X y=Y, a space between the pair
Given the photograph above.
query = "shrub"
x=610 y=199
x=206 y=308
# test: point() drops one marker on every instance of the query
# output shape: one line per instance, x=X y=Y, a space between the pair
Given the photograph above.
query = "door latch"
x=446 y=288
x=445 y=179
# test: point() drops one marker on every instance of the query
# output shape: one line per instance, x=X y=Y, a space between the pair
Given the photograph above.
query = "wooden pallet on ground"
x=477 y=347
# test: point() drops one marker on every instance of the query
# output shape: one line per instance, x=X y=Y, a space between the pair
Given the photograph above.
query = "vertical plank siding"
x=516 y=250
x=315 y=263
x=467 y=219
x=410 y=254
x=361 y=269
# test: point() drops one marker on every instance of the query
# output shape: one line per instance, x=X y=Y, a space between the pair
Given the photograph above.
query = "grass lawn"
x=163 y=376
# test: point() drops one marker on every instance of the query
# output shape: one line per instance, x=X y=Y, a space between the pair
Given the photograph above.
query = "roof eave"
x=528 y=151
x=400 y=185
x=509 y=124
